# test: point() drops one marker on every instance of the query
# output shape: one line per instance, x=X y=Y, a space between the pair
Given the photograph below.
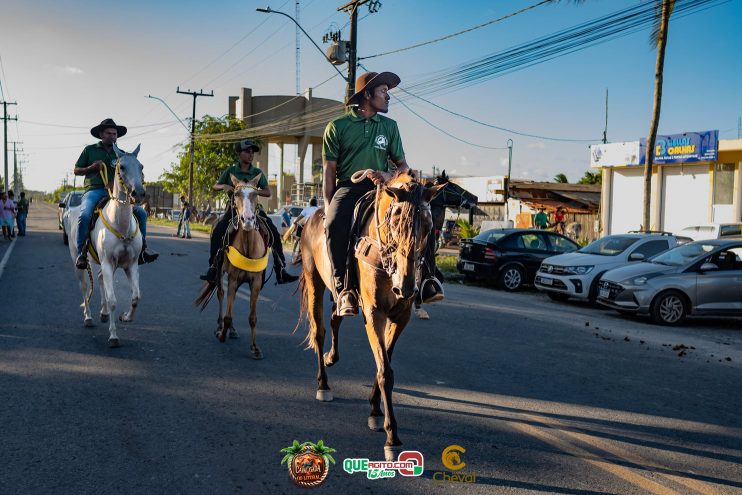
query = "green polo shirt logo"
x=381 y=142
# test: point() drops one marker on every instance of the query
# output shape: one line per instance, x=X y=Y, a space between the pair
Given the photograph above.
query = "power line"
x=579 y=37
x=473 y=28
x=493 y=126
x=47 y=124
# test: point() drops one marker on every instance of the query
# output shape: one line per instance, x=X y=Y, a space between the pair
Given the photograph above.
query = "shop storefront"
x=696 y=179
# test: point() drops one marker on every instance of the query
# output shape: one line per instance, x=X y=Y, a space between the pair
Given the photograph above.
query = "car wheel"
x=557 y=296
x=668 y=308
x=592 y=295
x=511 y=278
x=65 y=239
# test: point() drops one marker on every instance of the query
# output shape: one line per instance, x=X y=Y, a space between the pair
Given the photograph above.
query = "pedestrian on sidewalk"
x=22 y=208
x=186 y=221
x=13 y=206
x=180 y=218
x=6 y=217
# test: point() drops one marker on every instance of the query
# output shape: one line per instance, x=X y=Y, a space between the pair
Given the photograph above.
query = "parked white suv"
x=712 y=231
x=577 y=274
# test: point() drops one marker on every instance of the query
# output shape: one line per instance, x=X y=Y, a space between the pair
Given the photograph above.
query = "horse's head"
x=453 y=196
x=406 y=225
x=245 y=201
x=129 y=171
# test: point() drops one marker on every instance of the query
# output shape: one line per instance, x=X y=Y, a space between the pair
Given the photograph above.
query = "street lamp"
x=171 y=110
x=507 y=188
x=268 y=10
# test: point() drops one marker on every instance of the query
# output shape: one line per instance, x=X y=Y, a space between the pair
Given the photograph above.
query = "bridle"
x=119 y=175
x=236 y=219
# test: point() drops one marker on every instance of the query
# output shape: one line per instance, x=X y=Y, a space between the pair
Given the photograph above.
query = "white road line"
x=7 y=256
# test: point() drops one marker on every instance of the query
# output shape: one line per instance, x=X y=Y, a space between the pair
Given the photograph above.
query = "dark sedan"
x=510 y=256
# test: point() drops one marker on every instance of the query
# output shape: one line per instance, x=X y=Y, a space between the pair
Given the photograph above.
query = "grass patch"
x=171 y=223
x=446 y=263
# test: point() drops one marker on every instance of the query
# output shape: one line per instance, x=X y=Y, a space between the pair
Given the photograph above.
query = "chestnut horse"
x=243 y=261
x=392 y=240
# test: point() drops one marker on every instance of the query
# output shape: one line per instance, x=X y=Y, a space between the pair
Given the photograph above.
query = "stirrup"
x=347 y=303
x=81 y=262
x=431 y=291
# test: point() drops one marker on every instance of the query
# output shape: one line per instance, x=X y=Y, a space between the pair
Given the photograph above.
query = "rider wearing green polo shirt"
x=361 y=139
x=245 y=171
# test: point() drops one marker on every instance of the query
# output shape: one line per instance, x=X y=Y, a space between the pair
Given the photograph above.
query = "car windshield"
x=609 y=246
x=682 y=255
x=490 y=236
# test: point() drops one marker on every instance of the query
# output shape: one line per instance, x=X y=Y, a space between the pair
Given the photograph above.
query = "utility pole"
x=507 y=185
x=15 y=167
x=352 y=9
x=5 y=148
x=605 y=132
x=193 y=136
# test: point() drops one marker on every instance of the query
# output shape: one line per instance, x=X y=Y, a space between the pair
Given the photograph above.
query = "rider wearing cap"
x=361 y=139
x=245 y=171
x=92 y=159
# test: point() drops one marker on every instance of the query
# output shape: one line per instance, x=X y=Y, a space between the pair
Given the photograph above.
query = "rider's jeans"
x=89 y=200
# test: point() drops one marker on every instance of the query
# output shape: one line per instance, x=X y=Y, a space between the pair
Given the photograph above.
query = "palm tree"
x=663 y=10
x=591 y=178
x=324 y=451
x=291 y=452
x=561 y=179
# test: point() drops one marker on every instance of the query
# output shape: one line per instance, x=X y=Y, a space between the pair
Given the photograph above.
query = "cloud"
x=68 y=69
x=537 y=145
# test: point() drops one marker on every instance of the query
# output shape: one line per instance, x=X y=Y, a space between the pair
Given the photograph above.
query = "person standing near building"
x=92 y=160
x=22 y=214
x=6 y=217
x=186 y=221
x=541 y=219
x=361 y=139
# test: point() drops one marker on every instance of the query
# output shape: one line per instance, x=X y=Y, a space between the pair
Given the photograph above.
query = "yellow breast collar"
x=245 y=263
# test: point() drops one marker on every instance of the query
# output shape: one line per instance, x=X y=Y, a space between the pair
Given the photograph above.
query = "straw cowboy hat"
x=372 y=79
x=107 y=124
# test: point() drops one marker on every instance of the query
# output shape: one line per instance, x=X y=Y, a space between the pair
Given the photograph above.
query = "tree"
x=209 y=159
x=663 y=10
x=561 y=179
x=591 y=178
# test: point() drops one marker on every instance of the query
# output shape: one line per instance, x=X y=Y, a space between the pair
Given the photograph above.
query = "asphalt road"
x=545 y=397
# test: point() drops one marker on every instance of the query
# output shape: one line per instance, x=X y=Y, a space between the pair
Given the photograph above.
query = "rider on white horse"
x=90 y=163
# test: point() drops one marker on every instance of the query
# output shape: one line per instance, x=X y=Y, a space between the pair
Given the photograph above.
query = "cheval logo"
x=451 y=458
x=381 y=142
x=408 y=463
x=308 y=463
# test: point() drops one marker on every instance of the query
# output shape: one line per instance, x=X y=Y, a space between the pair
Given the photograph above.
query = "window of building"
x=723 y=183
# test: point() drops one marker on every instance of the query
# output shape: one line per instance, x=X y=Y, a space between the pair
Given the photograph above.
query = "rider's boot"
x=279 y=263
x=147 y=255
x=81 y=263
x=346 y=300
x=431 y=291
x=210 y=275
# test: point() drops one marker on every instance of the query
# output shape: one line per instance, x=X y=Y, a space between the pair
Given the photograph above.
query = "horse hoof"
x=391 y=452
x=88 y=322
x=103 y=318
x=233 y=334
x=113 y=343
x=257 y=355
x=376 y=423
x=123 y=318
x=422 y=314
x=330 y=359
x=324 y=395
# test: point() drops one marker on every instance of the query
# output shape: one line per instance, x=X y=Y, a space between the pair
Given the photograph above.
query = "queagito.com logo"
x=451 y=458
x=408 y=463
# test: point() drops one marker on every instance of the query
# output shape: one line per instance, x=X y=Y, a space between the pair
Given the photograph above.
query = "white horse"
x=117 y=240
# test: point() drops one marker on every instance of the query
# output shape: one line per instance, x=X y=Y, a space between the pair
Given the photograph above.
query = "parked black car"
x=510 y=256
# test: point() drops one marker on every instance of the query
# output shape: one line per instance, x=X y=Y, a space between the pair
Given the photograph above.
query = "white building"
x=696 y=179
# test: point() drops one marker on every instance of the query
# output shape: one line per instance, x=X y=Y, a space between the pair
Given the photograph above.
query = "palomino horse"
x=452 y=196
x=117 y=242
x=396 y=236
x=244 y=261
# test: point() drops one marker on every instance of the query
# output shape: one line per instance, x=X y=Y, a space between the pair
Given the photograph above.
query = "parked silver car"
x=699 y=278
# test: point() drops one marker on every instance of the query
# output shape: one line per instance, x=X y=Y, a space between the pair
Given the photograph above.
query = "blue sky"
x=71 y=64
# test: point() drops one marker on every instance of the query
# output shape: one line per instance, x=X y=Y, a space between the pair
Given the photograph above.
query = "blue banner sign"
x=683 y=148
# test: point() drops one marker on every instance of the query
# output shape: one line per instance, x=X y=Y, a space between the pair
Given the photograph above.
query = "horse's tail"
x=304 y=312
x=205 y=295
